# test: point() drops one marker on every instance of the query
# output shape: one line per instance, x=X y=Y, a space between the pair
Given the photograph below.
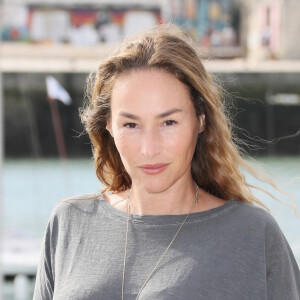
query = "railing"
x=64 y=58
x=19 y=261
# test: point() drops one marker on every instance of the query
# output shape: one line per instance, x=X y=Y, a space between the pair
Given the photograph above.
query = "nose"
x=151 y=143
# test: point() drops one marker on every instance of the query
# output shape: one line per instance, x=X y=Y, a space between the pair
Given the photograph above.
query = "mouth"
x=153 y=169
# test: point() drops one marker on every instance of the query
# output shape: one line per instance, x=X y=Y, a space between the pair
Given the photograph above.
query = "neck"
x=178 y=199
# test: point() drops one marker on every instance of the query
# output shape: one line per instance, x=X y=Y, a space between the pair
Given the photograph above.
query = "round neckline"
x=163 y=219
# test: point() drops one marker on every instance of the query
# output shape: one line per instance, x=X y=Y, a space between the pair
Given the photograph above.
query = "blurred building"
x=76 y=22
x=215 y=25
x=255 y=29
x=254 y=42
x=273 y=29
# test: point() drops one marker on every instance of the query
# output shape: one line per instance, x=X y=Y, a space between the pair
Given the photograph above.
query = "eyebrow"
x=162 y=115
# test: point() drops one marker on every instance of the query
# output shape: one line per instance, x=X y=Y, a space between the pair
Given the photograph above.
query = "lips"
x=153 y=169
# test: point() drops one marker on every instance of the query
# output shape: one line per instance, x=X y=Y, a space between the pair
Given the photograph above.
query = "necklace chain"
x=160 y=259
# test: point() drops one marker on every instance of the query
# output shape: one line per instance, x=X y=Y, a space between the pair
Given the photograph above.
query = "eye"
x=170 y=122
x=130 y=125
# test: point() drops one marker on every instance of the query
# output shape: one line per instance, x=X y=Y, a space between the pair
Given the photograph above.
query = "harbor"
x=249 y=48
x=34 y=187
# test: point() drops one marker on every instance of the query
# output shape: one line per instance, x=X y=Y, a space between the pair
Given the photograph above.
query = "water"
x=33 y=187
x=31 y=190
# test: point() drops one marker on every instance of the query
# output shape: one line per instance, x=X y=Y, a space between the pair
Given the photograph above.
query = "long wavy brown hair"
x=217 y=158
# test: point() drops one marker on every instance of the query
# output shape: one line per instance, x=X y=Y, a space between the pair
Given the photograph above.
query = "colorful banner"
x=82 y=26
x=212 y=23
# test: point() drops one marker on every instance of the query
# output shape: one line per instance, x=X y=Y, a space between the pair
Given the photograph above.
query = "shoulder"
x=254 y=216
x=73 y=207
x=252 y=212
x=259 y=226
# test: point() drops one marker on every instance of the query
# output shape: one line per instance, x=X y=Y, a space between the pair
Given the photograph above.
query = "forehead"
x=152 y=89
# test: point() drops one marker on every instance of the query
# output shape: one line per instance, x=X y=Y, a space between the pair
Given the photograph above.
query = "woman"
x=177 y=219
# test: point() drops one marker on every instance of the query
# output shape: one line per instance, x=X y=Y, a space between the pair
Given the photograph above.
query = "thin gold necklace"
x=158 y=262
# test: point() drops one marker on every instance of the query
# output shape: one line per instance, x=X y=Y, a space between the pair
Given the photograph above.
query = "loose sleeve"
x=45 y=277
x=282 y=271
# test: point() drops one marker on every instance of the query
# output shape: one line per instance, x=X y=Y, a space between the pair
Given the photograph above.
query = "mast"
x=1 y=180
x=1 y=162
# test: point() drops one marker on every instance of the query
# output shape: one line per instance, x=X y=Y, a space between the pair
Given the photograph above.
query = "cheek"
x=182 y=143
x=126 y=146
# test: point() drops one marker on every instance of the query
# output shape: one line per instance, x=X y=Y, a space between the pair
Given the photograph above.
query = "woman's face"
x=155 y=128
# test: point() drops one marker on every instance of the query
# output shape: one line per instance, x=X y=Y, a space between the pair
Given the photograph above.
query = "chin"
x=156 y=185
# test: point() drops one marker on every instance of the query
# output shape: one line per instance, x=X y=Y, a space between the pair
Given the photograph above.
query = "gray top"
x=235 y=251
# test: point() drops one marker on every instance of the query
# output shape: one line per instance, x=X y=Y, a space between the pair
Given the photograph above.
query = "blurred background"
x=47 y=50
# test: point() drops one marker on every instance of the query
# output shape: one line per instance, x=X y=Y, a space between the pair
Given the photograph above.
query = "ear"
x=201 y=123
x=109 y=128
